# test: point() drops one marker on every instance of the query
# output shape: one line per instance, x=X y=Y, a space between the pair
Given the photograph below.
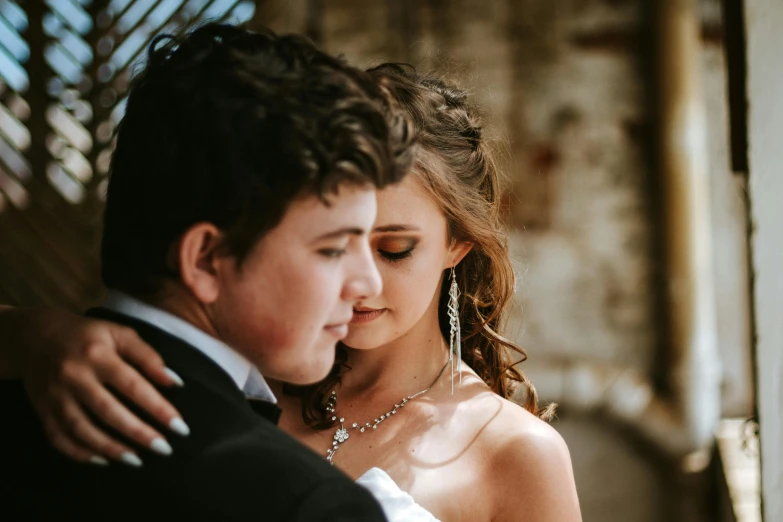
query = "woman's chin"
x=361 y=341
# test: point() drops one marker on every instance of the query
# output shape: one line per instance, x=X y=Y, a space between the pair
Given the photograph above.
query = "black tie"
x=267 y=410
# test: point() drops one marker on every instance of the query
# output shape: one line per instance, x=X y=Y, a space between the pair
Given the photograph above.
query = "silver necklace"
x=342 y=433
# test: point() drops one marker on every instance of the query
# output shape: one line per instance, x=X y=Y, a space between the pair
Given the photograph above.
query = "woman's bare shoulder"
x=504 y=419
x=528 y=463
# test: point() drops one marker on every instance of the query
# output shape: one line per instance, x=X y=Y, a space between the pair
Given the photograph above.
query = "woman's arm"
x=68 y=363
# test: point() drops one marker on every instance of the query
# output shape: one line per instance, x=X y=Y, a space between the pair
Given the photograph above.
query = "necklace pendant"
x=341 y=435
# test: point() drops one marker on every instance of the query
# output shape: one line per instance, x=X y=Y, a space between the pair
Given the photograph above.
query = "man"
x=241 y=193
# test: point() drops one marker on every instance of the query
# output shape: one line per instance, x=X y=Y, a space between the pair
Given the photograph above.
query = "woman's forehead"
x=405 y=203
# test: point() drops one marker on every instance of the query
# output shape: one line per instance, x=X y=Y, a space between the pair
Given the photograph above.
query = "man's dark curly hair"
x=229 y=126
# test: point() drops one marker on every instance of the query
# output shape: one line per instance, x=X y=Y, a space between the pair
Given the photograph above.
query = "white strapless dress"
x=398 y=506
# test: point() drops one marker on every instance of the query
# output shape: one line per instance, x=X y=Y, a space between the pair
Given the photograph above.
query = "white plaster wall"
x=764 y=20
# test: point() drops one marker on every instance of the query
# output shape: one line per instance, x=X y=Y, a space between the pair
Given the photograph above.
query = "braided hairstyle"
x=454 y=163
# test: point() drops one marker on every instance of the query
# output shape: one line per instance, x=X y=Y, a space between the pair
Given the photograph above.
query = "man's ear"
x=198 y=256
x=457 y=251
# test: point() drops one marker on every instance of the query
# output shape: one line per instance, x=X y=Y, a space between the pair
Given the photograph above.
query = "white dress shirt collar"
x=242 y=372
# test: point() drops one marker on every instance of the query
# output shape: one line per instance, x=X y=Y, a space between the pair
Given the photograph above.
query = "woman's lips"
x=365 y=316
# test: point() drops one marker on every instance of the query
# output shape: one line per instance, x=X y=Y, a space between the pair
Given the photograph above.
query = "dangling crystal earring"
x=455 y=344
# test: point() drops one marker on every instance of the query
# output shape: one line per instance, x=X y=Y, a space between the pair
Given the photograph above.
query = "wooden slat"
x=44 y=269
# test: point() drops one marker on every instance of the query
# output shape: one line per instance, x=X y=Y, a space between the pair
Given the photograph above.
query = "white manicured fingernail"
x=98 y=461
x=131 y=459
x=159 y=445
x=176 y=379
x=177 y=425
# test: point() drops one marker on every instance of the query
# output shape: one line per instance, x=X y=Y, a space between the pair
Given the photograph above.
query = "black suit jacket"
x=235 y=466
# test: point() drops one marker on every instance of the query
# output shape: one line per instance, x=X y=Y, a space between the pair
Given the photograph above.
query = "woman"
x=403 y=410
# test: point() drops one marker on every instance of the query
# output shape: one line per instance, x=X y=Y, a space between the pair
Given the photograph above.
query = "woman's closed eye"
x=396 y=249
x=396 y=256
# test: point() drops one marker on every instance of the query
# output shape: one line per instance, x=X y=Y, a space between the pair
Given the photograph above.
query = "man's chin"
x=310 y=371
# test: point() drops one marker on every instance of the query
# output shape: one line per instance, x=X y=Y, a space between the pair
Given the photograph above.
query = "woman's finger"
x=78 y=427
x=130 y=383
x=68 y=446
x=133 y=349
x=112 y=412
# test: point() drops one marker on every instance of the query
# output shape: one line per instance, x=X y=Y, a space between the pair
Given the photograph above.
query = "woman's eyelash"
x=396 y=256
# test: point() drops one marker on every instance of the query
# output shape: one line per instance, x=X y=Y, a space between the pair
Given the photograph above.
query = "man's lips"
x=338 y=330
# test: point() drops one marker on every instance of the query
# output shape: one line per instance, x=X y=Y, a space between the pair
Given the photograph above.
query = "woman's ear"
x=198 y=258
x=457 y=251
